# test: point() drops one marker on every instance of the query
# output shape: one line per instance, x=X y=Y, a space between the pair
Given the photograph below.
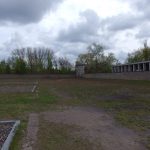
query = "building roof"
x=132 y=63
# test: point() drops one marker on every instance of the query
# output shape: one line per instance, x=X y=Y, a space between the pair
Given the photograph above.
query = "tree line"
x=35 y=60
x=43 y=60
x=142 y=54
x=96 y=60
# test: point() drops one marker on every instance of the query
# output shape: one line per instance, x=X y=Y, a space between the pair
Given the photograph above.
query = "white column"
x=143 y=67
x=138 y=67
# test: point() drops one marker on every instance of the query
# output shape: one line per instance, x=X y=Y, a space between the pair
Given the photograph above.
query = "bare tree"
x=64 y=64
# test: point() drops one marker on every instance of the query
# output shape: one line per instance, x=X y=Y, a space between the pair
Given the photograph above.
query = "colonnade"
x=133 y=67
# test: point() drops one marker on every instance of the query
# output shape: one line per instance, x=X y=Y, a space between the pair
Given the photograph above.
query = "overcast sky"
x=69 y=26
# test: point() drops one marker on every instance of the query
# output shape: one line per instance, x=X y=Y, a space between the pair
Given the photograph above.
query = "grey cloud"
x=140 y=13
x=144 y=8
x=25 y=11
x=122 y=55
x=144 y=32
x=140 y=7
x=16 y=40
x=84 y=31
x=122 y=22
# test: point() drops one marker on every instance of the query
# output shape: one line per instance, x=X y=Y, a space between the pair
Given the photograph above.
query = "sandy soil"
x=98 y=127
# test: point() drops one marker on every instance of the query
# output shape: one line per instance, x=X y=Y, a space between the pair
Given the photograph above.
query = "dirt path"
x=32 y=129
x=97 y=126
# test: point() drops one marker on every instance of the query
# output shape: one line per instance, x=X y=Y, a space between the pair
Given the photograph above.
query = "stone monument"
x=80 y=70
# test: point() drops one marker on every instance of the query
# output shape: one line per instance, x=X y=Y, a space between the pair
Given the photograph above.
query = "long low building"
x=132 y=67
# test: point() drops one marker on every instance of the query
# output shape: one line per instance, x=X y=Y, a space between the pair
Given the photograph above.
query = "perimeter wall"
x=36 y=76
x=123 y=75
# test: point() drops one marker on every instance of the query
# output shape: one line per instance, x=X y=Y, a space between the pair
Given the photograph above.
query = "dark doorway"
x=131 y=68
x=146 y=66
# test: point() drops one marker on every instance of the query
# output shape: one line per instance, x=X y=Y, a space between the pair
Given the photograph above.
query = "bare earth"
x=98 y=127
x=16 y=89
x=32 y=130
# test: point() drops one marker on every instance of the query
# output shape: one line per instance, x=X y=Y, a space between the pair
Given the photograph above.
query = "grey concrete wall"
x=126 y=76
x=35 y=76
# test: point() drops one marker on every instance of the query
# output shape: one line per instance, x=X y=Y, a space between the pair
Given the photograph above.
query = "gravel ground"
x=5 y=129
x=16 y=88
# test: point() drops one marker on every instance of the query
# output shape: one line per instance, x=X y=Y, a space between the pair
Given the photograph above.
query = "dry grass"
x=60 y=137
x=128 y=101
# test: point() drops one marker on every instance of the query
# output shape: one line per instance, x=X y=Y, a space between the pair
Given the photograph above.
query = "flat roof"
x=133 y=63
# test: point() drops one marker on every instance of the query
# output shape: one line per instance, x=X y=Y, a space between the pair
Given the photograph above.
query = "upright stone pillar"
x=138 y=67
x=80 y=70
x=143 y=67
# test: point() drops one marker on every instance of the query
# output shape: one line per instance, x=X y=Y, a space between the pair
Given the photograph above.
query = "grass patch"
x=59 y=136
x=17 y=142
x=129 y=101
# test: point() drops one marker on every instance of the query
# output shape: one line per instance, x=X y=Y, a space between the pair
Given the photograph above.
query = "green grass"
x=16 y=145
x=128 y=101
x=19 y=105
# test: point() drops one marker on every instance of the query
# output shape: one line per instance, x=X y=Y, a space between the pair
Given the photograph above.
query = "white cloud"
x=120 y=25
